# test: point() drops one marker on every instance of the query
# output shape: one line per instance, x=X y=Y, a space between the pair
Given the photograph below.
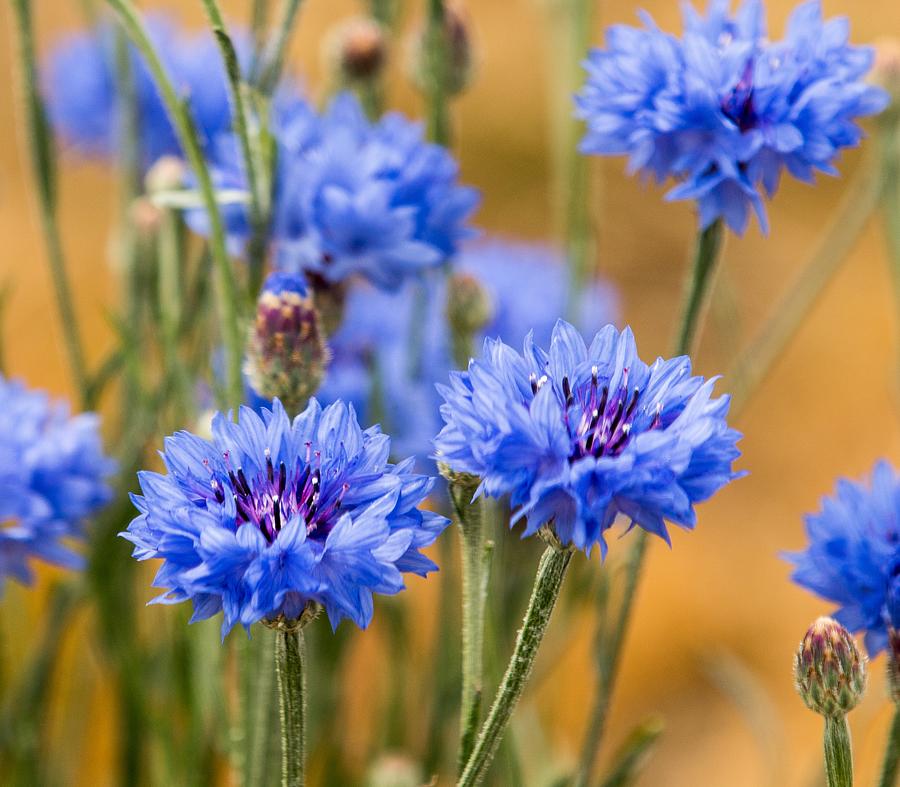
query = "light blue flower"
x=273 y=514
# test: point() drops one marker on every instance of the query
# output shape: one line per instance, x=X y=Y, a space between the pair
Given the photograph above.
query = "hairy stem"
x=838 y=755
x=290 y=666
x=891 y=763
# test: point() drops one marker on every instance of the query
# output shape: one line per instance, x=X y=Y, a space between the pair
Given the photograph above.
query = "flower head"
x=724 y=110
x=404 y=336
x=52 y=477
x=82 y=98
x=579 y=434
x=355 y=198
x=853 y=556
x=286 y=352
x=274 y=514
x=829 y=671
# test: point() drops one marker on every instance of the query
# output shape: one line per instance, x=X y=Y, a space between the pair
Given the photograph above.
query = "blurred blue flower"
x=853 y=556
x=274 y=514
x=581 y=434
x=723 y=110
x=52 y=477
x=404 y=339
x=353 y=197
x=81 y=88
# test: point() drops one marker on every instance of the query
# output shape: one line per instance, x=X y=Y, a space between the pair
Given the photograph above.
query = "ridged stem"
x=182 y=120
x=838 y=754
x=43 y=165
x=474 y=555
x=697 y=288
x=891 y=763
x=547 y=584
x=290 y=667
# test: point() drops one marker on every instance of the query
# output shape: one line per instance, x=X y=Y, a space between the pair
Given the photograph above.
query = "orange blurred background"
x=720 y=601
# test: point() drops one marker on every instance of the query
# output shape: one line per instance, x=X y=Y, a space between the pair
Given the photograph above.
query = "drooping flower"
x=83 y=104
x=578 y=435
x=853 y=556
x=393 y=347
x=352 y=197
x=724 y=110
x=53 y=475
x=273 y=514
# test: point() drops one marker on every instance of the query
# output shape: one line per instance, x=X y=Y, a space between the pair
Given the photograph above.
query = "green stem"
x=276 y=50
x=698 y=285
x=891 y=764
x=171 y=300
x=473 y=551
x=436 y=56
x=258 y=681
x=291 y=670
x=853 y=214
x=43 y=164
x=889 y=140
x=838 y=754
x=250 y=145
x=182 y=119
x=547 y=584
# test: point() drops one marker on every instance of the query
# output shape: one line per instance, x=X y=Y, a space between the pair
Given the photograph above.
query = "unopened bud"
x=394 y=770
x=469 y=306
x=357 y=50
x=286 y=353
x=457 y=42
x=829 y=670
x=893 y=664
x=167 y=174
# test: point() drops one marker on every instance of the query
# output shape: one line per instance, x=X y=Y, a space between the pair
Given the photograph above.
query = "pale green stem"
x=171 y=300
x=247 y=133
x=891 y=763
x=547 y=584
x=473 y=553
x=697 y=288
x=436 y=55
x=838 y=754
x=854 y=213
x=291 y=670
x=43 y=164
x=276 y=50
x=179 y=112
x=889 y=140
x=259 y=683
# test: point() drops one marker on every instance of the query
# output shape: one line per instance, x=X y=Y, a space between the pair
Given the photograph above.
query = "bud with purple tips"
x=829 y=670
x=286 y=352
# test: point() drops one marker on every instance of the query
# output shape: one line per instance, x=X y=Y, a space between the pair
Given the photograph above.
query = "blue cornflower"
x=352 y=197
x=723 y=110
x=81 y=88
x=581 y=434
x=402 y=339
x=273 y=514
x=52 y=477
x=853 y=557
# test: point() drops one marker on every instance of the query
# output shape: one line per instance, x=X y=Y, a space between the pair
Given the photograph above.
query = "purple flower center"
x=274 y=496
x=600 y=422
x=738 y=107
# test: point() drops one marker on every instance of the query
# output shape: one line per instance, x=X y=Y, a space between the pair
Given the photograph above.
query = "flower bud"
x=329 y=298
x=469 y=306
x=356 y=50
x=394 y=770
x=893 y=664
x=286 y=353
x=829 y=670
x=458 y=42
x=167 y=174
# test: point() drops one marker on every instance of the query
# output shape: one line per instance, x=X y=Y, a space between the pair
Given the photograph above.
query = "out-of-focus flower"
x=724 y=110
x=354 y=198
x=579 y=435
x=286 y=352
x=84 y=106
x=274 y=514
x=853 y=556
x=356 y=50
x=829 y=671
x=53 y=475
x=404 y=337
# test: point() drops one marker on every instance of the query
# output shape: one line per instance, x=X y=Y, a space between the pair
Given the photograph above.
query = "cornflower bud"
x=458 y=42
x=286 y=353
x=829 y=670
x=356 y=50
x=469 y=310
x=886 y=70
